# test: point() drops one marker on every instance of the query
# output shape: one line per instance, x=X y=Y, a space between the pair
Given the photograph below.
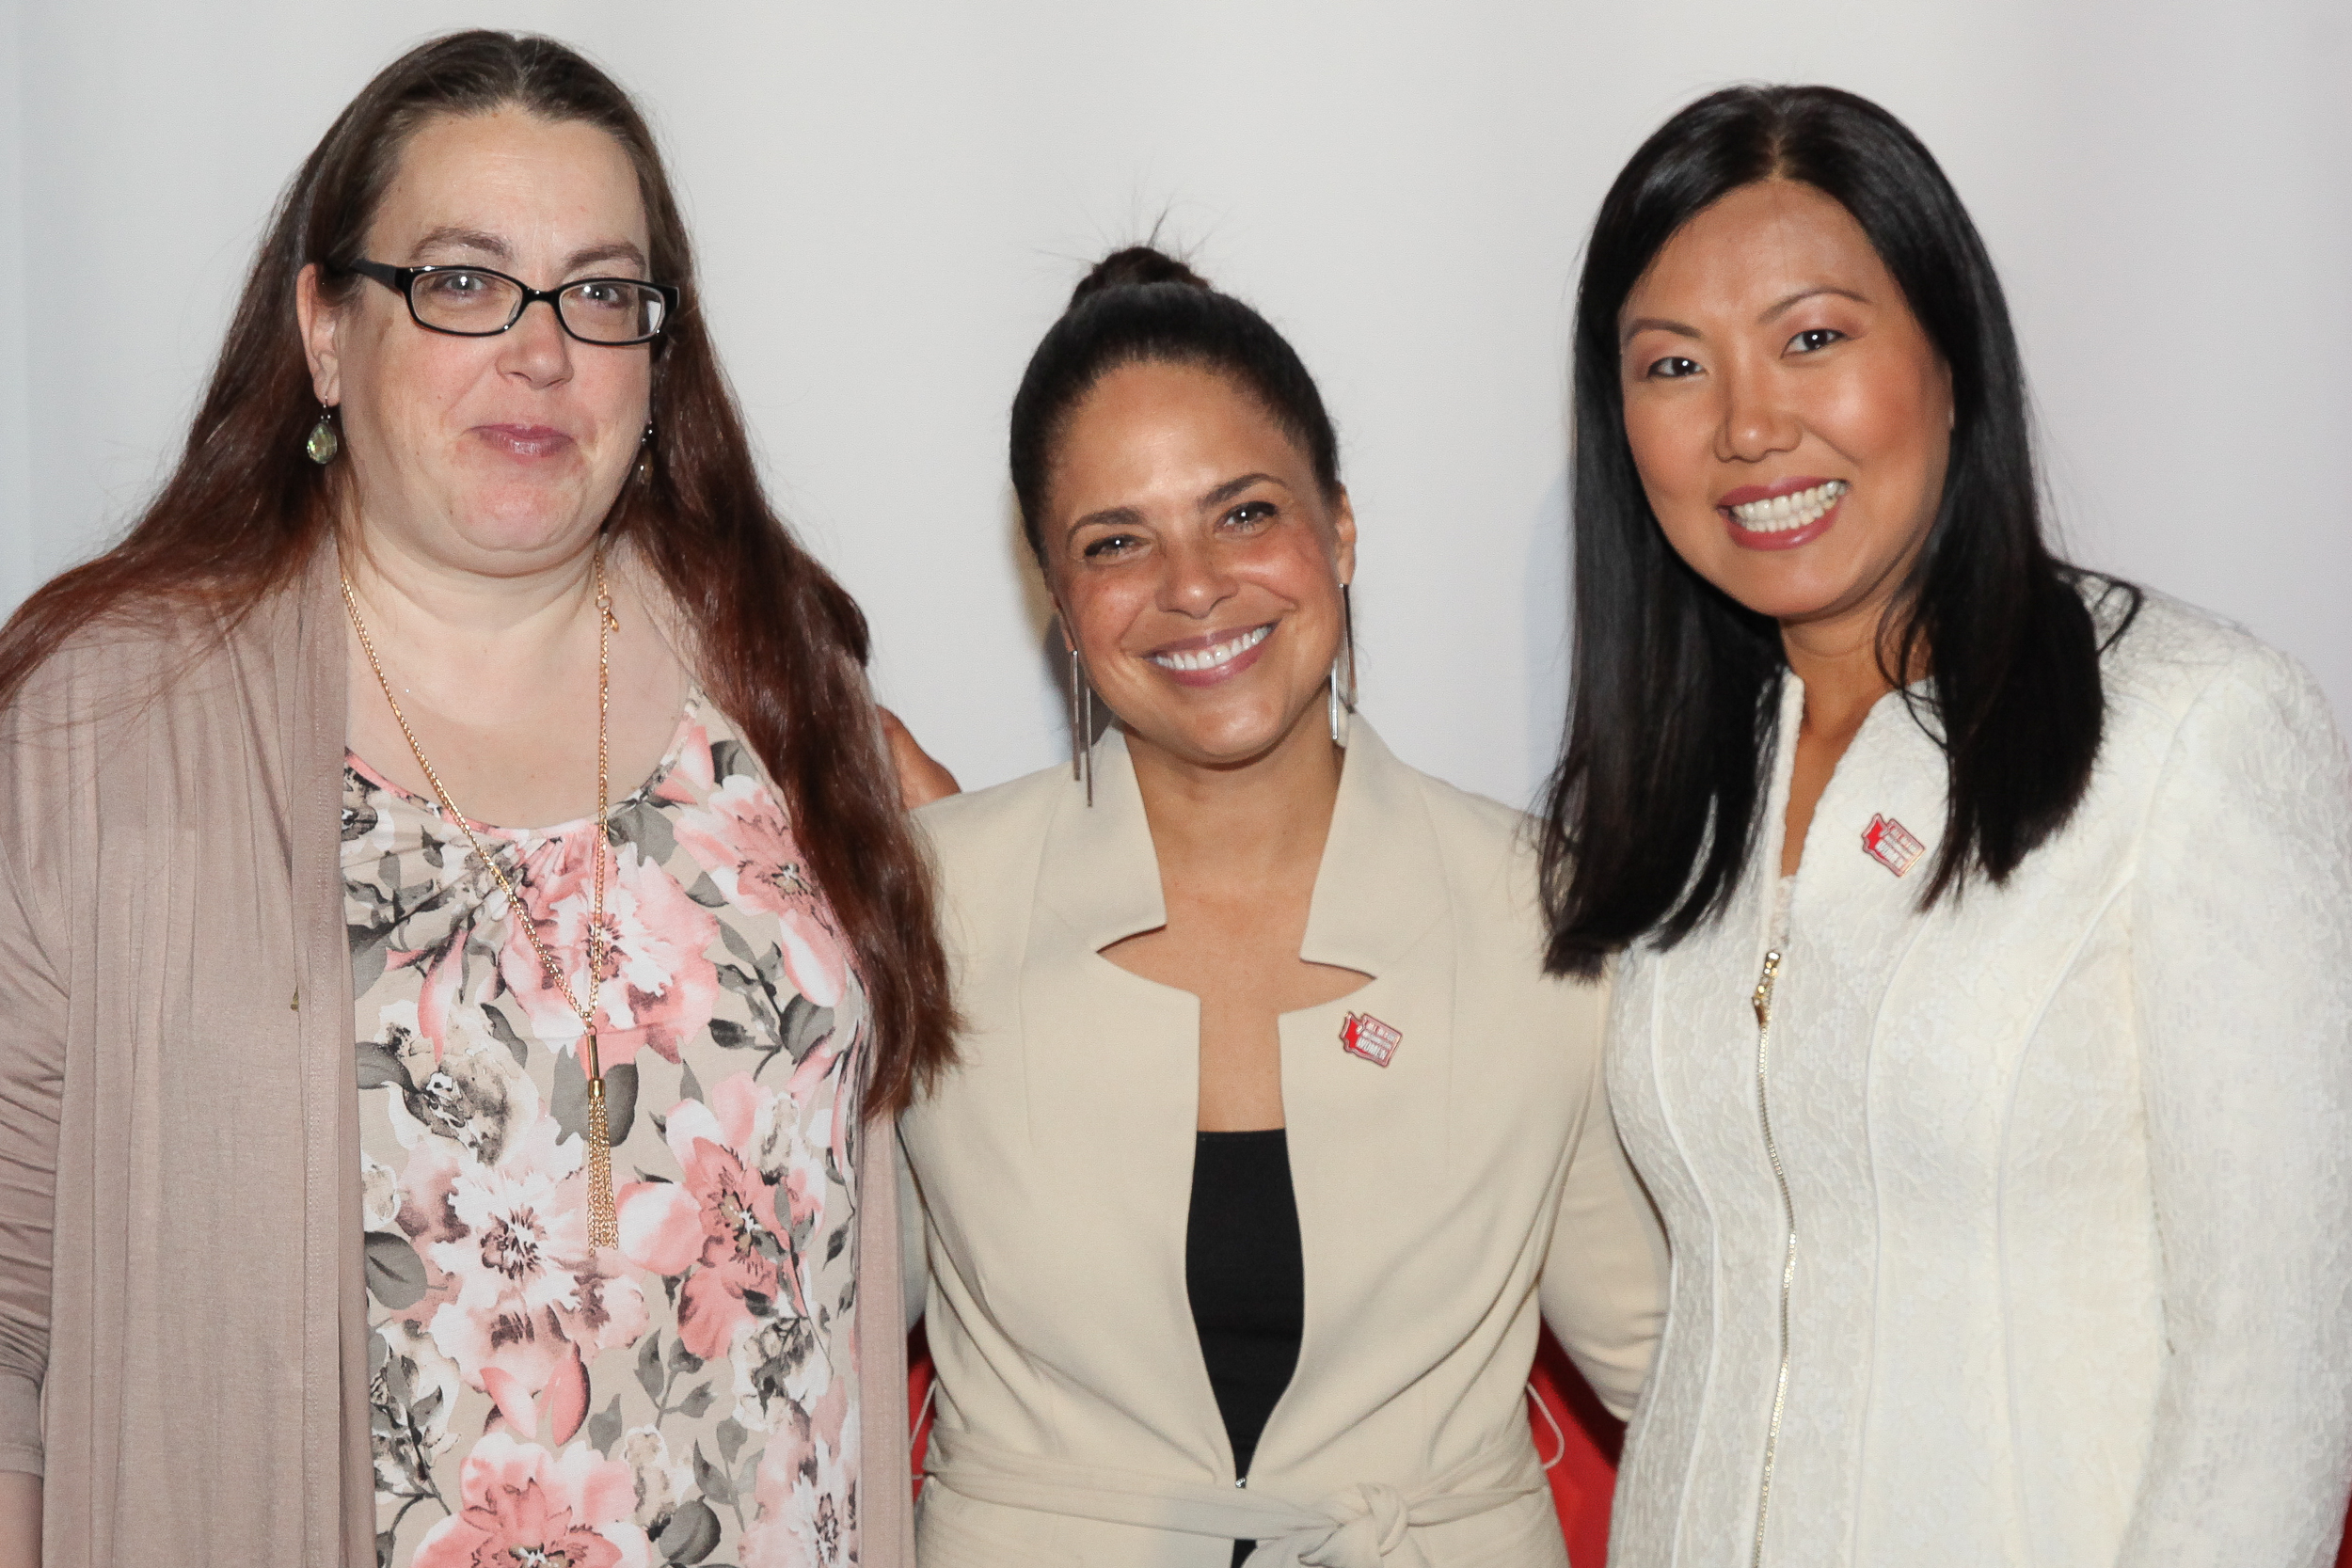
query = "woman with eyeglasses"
x=457 y=923
x=1980 y=926
x=1270 y=1144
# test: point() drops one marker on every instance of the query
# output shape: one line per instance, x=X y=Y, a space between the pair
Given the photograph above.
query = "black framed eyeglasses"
x=476 y=302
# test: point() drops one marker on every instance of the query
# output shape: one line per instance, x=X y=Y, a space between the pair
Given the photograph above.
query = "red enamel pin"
x=1367 y=1037
x=1889 y=843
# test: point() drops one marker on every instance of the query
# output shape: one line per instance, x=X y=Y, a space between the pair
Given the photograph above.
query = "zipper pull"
x=1763 y=998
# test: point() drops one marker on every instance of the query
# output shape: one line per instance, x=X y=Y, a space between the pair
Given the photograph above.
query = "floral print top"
x=688 y=1397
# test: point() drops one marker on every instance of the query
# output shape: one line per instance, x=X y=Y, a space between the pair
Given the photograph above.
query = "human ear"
x=318 y=322
x=1344 y=534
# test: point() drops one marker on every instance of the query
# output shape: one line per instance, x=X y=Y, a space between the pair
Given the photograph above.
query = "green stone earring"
x=323 y=443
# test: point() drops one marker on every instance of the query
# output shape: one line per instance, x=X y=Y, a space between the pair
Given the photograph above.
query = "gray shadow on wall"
x=1545 y=585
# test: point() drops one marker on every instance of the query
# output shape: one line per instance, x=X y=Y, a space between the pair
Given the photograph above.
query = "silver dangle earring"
x=1342 y=687
x=324 y=442
x=1081 y=726
x=644 y=455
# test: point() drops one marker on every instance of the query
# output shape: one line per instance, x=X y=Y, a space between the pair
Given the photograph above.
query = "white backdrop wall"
x=893 y=201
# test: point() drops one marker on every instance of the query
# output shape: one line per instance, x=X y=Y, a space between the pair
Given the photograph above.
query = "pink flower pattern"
x=739 y=831
x=514 y=1294
x=721 y=1215
x=523 y=1504
x=686 y=1397
x=658 y=984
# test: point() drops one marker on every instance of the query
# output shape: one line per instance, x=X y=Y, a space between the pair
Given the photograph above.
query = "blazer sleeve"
x=2241 y=974
x=32 y=1075
x=915 y=1257
x=1604 y=1289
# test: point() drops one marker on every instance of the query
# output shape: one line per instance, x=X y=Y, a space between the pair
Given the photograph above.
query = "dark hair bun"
x=1140 y=306
x=1136 y=264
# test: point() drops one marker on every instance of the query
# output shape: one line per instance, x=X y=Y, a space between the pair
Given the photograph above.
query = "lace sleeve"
x=2242 y=960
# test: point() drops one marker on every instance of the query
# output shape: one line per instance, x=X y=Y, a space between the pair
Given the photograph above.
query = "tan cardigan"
x=182 y=1314
x=1444 y=1200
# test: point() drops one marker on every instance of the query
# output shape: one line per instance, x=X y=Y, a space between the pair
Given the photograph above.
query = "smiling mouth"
x=524 y=440
x=1216 y=656
x=1782 y=514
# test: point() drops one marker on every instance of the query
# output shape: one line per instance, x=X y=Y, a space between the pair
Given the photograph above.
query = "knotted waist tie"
x=1367 y=1525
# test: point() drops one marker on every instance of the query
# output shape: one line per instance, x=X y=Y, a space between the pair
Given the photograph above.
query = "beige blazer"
x=1442 y=1199
x=183 y=1317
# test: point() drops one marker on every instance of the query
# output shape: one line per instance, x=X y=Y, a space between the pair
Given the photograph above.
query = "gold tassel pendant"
x=604 y=1225
x=604 y=1228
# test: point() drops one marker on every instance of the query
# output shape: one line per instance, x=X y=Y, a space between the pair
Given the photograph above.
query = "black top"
x=1247 y=1280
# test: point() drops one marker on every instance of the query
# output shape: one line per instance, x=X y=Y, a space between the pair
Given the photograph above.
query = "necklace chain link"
x=603 y=1223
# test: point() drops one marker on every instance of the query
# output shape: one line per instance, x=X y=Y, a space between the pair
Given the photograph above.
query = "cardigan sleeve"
x=1604 y=1289
x=32 y=1054
x=2242 y=975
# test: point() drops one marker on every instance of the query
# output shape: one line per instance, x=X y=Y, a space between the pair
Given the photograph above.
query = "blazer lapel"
x=1113 y=1064
x=1100 y=871
x=1113 y=1067
x=1378 y=887
x=1368 y=1141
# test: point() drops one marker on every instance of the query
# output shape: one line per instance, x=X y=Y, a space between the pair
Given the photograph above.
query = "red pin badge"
x=1367 y=1037
x=1889 y=843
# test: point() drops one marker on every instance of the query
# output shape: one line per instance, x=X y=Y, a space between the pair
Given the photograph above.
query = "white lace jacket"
x=2070 y=1160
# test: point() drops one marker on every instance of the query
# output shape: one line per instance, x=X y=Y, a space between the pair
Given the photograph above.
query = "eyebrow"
x=452 y=237
x=1659 y=323
x=619 y=250
x=1233 y=487
x=1127 y=516
x=1814 y=291
x=1111 y=517
x=1654 y=324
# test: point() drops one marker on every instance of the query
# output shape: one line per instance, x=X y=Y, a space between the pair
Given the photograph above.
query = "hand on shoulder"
x=921 y=779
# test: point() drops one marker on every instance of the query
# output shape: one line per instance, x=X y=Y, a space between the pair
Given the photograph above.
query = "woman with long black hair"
x=1982 y=926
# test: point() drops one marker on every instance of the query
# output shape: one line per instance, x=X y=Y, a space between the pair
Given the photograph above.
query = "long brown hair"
x=781 y=646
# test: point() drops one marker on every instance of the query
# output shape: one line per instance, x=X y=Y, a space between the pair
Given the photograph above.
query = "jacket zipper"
x=1763 y=1002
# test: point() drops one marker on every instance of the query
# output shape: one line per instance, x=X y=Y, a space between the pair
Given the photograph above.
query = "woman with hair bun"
x=1980 y=926
x=379 y=1185
x=1269 y=1141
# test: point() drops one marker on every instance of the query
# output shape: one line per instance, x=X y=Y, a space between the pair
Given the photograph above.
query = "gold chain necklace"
x=604 y=1228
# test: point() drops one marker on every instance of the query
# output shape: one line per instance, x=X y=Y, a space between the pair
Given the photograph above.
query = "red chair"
x=1578 y=1439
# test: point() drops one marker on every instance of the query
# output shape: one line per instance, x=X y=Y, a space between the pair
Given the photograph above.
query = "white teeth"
x=1784 y=512
x=1209 y=658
